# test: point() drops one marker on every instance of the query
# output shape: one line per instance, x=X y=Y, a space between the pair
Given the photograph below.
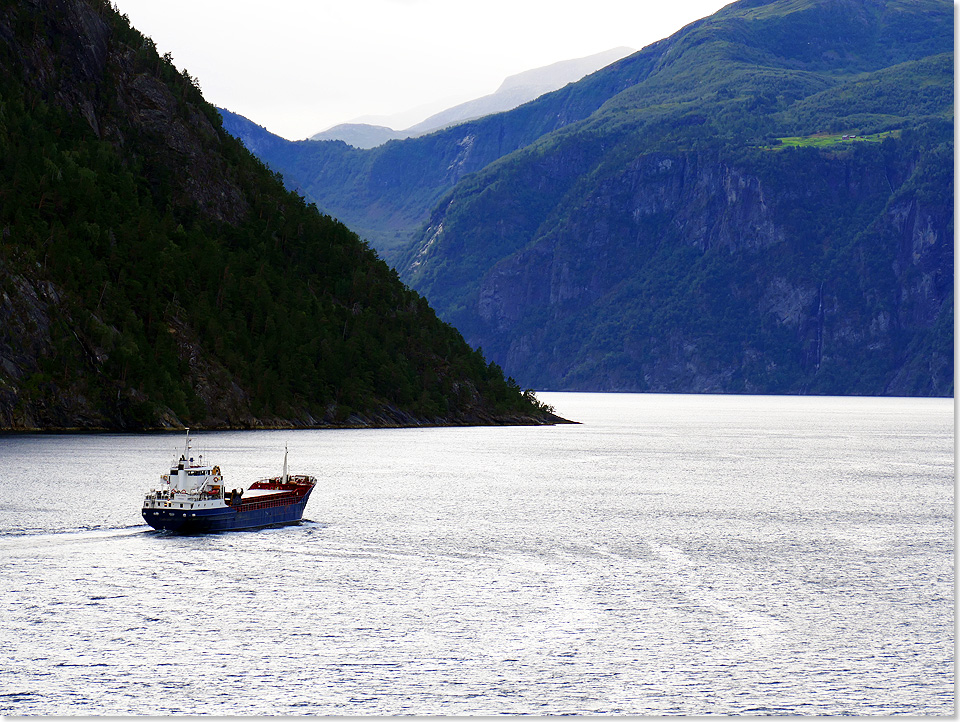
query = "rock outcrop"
x=688 y=272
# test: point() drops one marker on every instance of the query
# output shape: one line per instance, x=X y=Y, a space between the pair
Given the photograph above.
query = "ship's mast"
x=284 y=464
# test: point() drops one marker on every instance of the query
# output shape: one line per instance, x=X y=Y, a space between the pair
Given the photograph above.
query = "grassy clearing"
x=823 y=140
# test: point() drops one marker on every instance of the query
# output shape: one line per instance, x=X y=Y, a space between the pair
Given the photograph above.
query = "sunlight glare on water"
x=670 y=555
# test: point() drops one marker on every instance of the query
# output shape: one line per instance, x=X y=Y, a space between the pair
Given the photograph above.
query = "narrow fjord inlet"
x=625 y=389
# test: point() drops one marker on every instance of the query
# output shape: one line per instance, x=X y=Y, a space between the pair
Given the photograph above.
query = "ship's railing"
x=291 y=478
x=278 y=481
x=282 y=500
x=192 y=495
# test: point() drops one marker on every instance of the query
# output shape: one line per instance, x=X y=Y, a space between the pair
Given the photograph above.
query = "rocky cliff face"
x=46 y=382
x=88 y=73
x=26 y=339
x=688 y=272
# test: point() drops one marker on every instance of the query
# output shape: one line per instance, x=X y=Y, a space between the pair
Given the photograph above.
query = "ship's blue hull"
x=244 y=516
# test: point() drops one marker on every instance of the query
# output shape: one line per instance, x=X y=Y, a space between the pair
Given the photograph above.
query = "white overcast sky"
x=298 y=67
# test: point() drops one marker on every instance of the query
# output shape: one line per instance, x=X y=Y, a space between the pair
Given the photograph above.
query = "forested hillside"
x=154 y=273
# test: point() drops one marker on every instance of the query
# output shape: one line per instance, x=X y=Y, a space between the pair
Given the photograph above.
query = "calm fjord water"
x=671 y=555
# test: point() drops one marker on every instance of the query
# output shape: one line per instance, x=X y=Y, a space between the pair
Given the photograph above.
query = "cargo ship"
x=193 y=499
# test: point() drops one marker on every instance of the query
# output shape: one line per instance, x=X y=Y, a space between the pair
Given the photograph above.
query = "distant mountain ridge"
x=690 y=218
x=386 y=193
x=514 y=91
x=361 y=135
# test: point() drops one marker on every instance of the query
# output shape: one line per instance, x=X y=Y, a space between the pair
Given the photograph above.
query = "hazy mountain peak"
x=560 y=73
x=513 y=91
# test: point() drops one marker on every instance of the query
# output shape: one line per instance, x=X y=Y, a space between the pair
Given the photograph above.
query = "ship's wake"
x=11 y=538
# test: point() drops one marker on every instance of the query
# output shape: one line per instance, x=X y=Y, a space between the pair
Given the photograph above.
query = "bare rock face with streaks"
x=718 y=238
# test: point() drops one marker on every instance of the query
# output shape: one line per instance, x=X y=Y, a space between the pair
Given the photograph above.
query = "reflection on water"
x=690 y=555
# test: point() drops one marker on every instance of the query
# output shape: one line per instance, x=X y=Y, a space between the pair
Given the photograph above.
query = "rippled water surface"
x=671 y=555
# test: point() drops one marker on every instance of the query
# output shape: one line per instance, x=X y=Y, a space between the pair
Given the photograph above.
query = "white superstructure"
x=191 y=484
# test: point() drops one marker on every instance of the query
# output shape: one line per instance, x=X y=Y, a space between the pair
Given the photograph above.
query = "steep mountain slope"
x=515 y=90
x=386 y=194
x=153 y=273
x=667 y=242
